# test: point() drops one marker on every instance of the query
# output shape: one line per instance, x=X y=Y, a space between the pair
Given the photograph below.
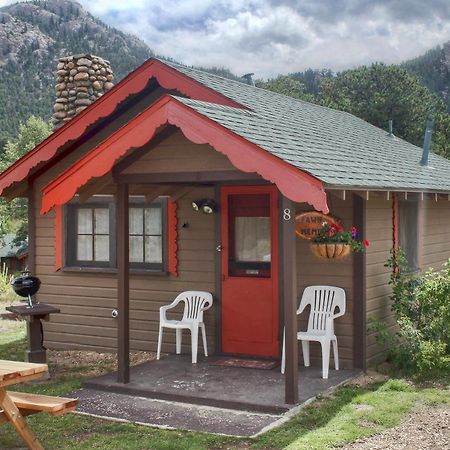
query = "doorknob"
x=219 y=248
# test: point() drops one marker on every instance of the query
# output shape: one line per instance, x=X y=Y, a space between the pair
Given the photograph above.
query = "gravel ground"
x=426 y=428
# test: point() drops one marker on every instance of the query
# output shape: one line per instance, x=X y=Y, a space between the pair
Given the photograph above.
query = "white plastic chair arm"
x=164 y=309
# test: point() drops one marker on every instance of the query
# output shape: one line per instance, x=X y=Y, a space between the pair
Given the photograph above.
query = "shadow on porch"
x=174 y=378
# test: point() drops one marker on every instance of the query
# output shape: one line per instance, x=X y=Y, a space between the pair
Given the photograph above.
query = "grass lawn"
x=350 y=413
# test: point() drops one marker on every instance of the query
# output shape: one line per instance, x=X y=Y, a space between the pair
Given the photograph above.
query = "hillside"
x=33 y=35
x=433 y=69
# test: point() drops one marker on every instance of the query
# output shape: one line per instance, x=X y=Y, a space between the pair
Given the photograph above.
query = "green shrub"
x=421 y=305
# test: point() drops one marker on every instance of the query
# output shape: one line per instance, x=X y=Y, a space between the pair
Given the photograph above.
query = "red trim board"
x=58 y=237
x=167 y=77
x=245 y=156
x=172 y=237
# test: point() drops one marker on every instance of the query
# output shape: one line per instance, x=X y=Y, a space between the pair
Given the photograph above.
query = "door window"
x=250 y=243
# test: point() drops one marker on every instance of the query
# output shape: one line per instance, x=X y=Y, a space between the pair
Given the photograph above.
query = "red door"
x=250 y=270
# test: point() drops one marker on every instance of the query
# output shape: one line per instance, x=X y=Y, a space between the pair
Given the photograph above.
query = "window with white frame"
x=91 y=234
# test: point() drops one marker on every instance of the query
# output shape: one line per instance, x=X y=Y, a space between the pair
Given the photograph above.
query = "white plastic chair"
x=323 y=300
x=195 y=303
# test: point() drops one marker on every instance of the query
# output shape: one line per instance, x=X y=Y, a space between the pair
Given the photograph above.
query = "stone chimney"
x=80 y=80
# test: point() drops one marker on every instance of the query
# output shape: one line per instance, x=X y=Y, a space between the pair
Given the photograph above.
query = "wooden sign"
x=308 y=224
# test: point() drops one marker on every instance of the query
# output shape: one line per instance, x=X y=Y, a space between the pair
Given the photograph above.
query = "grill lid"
x=26 y=285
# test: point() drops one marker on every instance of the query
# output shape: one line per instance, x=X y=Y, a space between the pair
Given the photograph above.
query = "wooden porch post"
x=288 y=280
x=31 y=231
x=359 y=287
x=123 y=294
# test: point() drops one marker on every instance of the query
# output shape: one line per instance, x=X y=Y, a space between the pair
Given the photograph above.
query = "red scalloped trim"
x=58 y=237
x=245 y=156
x=167 y=77
x=172 y=238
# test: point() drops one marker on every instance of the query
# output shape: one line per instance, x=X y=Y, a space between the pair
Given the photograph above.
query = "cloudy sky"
x=279 y=36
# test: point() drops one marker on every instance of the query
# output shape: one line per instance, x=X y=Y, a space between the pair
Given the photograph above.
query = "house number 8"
x=287 y=214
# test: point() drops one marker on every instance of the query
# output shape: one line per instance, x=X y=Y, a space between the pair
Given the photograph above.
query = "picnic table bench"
x=14 y=406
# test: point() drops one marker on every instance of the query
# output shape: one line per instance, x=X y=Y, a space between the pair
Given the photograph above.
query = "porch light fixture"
x=206 y=205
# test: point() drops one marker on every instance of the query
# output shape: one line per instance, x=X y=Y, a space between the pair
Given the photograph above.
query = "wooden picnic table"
x=15 y=405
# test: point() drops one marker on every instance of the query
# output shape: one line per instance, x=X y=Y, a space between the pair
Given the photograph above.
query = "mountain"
x=433 y=69
x=33 y=36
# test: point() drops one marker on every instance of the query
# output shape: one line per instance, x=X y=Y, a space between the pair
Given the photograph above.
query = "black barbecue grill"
x=26 y=286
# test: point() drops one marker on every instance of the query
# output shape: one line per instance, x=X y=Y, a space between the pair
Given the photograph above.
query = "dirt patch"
x=426 y=428
x=68 y=362
x=370 y=377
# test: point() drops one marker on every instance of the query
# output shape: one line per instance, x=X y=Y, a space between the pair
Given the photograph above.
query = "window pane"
x=136 y=221
x=101 y=248
x=252 y=241
x=153 y=221
x=153 y=249
x=85 y=221
x=136 y=249
x=408 y=232
x=84 y=248
x=101 y=221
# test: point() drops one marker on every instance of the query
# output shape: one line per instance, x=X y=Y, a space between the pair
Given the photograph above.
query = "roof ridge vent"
x=427 y=142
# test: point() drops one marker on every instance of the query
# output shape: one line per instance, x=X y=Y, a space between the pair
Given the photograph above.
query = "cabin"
x=114 y=235
x=13 y=257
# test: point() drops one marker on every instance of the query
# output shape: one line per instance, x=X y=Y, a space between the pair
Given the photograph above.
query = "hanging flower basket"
x=331 y=251
x=332 y=242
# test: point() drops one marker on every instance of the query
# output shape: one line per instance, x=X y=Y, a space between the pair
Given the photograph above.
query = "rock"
x=60 y=86
x=97 y=85
x=82 y=89
x=82 y=102
x=81 y=76
x=82 y=95
x=101 y=78
x=60 y=66
x=84 y=62
x=103 y=71
x=95 y=66
x=73 y=72
x=61 y=100
x=59 y=107
x=71 y=112
x=59 y=115
x=61 y=73
x=92 y=78
x=83 y=69
x=108 y=85
x=72 y=99
x=64 y=93
x=109 y=77
x=70 y=65
x=81 y=108
x=91 y=72
x=72 y=92
x=60 y=79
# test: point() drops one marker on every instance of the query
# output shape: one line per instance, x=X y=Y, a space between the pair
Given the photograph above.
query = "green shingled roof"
x=336 y=147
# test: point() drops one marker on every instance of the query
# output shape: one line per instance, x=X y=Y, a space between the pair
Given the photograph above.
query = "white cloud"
x=269 y=37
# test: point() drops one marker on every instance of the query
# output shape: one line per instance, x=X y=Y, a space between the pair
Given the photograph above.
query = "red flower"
x=332 y=232
x=354 y=230
x=339 y=228
x=366 y=243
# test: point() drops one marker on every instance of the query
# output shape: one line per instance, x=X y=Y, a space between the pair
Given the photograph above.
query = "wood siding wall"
x=436 y=234
x=379 y=231
x=314 y=271
x=176 y=154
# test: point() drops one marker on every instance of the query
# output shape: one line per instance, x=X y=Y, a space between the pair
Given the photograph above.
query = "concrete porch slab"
x=175 y=379
x=172 y=415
